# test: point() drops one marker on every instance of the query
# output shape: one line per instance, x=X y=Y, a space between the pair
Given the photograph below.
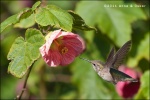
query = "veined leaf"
x=36 y=5
x=54 y=16
x=9 y=21
x=26 y=23
x=78 y=22
x=24 y=52
x=25 y=13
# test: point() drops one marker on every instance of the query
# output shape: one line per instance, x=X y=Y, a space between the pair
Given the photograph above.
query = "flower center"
x=64 y=50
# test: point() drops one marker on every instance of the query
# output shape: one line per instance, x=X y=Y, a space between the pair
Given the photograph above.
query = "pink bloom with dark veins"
x=61 y=48
x=128 y=89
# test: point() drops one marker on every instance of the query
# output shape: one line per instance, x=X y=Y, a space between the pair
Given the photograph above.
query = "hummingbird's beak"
x=85 y=59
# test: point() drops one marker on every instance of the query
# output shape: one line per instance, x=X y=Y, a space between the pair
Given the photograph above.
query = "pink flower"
x=128 y=89
x=61 y=48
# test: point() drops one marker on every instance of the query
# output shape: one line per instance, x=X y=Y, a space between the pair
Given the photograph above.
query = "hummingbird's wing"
x=110 y=58
x=120 y=55
x=120 y=76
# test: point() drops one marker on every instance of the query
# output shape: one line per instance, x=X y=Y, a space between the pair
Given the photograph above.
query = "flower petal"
x=53 y=58
x=75 y=43
x=50 y=39
x=71 y=35
x=68 y=57
x=42 y=49
x=67 y=34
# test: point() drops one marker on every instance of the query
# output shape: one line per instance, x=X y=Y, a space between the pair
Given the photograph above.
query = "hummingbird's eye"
x=94 y=64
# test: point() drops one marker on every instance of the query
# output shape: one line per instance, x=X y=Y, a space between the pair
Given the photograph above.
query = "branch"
x=24 y=85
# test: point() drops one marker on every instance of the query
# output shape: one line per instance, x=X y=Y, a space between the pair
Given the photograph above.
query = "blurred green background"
x=115 y=26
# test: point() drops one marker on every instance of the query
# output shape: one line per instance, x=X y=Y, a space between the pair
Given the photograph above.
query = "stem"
x=43 y=90
x=24 y=85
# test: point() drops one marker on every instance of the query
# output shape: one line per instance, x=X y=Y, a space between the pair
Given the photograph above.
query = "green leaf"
x=78 y=22
x=9 y=21
x=25 y=13
x=26 y=18
x=112 y=21
x=144 y=91
x=36 y=5
x=24 y=52
x=54 y=16
x=142 y=52
x=26 y=23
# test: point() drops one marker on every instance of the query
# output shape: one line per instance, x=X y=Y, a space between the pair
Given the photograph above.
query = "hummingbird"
x=109 y=70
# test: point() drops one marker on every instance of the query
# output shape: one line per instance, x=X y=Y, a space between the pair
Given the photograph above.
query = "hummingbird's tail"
x=131 y=80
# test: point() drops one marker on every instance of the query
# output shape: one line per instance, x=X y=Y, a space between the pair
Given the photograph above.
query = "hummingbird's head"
x=97 y=64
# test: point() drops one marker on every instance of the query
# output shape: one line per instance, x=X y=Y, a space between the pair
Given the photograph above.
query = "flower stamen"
x=56 y=42
x=64 y=50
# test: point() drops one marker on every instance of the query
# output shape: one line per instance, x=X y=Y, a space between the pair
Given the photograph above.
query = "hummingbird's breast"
x=105 y=74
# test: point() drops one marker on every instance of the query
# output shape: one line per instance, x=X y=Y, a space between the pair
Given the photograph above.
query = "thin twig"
x=24 y=85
